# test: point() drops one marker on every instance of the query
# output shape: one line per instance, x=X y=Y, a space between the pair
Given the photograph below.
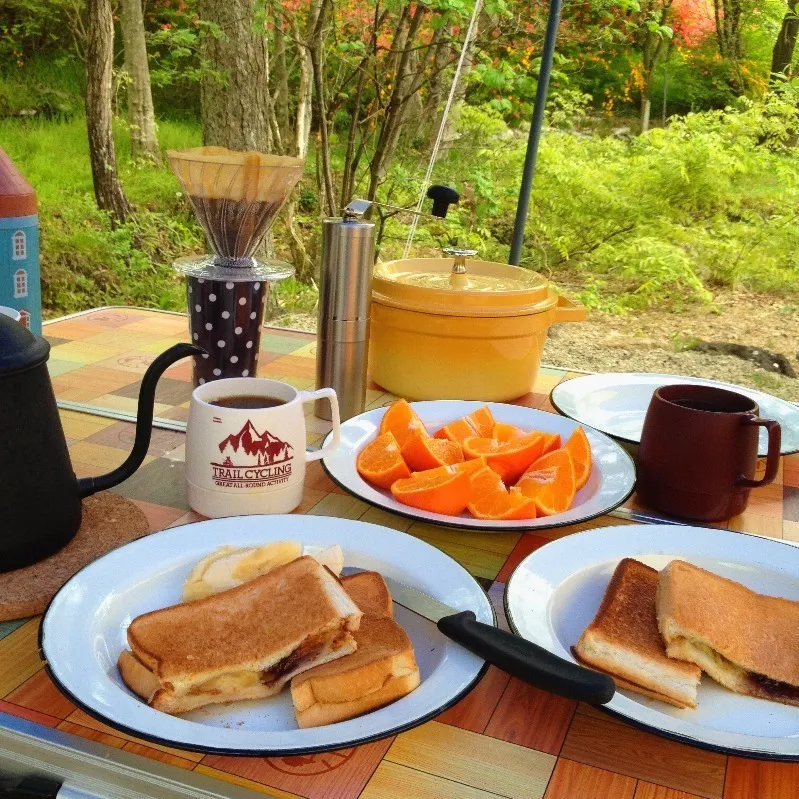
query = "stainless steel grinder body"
x=345 y=293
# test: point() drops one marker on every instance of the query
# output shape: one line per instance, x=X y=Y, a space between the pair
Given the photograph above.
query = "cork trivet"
x=109 y=520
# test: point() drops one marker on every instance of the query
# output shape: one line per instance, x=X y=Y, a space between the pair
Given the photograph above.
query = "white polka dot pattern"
x=226 y=322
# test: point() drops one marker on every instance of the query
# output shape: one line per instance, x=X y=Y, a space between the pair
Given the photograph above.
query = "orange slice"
x=505 y=432
x=434 y=491
x=459 y=430
x=491 y=500
x=550 y=483
x=380 y=462
x=580 y=450
x=509 y=459
x=482 y=421
x=402 y=420
x=422 y=452
x=551 y=443
x=469 y=467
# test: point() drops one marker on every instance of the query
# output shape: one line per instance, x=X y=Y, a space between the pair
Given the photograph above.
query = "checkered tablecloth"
x=505 y=739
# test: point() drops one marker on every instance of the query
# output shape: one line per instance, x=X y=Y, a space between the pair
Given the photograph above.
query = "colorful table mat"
x=505 y=739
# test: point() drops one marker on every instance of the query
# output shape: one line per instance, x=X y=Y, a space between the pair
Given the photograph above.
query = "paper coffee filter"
x=236 y=195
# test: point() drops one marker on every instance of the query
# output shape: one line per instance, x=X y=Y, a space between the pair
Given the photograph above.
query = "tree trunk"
x=646 y=107
x=405 y=86
x=782 y=55
x=141 y=116
x=316 y=23
x=281 y=75
x=449 y=135
x=235 y=110
x=302 y=128
x=102 y=153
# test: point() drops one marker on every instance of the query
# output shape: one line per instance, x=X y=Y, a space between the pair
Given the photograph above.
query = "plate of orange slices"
x=490 y=467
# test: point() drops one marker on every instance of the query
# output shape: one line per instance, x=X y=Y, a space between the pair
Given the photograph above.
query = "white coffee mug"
x=243 y=461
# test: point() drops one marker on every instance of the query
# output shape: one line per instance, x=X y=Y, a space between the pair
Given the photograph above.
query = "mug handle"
x=773 y=456
x=311 y=396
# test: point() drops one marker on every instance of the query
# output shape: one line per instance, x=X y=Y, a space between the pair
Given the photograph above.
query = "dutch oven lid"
x=19 y=348
x=458 y=287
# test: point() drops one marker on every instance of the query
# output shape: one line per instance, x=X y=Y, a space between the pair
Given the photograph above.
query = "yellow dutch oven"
x=463 y=330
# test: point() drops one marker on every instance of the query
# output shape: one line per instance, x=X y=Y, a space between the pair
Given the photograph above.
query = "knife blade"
x=511 y=653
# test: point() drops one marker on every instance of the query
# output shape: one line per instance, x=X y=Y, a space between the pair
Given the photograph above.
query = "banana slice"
x=263 y=559
x=332 y=557
x=229 y=566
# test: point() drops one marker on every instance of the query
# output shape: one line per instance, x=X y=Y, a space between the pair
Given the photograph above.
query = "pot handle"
x=568 y=311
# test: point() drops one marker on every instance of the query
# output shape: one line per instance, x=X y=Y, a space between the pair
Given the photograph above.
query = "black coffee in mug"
x=247 y=401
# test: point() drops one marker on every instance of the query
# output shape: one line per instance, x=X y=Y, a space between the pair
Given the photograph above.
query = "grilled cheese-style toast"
x=623 y=640
x=382 y=669
x=746 y=641
x=244 y=643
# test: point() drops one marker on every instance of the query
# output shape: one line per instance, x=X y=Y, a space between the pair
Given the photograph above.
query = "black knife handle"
x=527 y=661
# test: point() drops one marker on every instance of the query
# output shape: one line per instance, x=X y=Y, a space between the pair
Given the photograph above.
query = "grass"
x=85 y=260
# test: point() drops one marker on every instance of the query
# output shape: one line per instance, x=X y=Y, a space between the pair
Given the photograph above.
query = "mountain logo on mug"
x=252 y=459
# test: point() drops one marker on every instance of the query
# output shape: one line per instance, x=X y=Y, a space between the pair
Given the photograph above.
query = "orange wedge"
x=459 y=430
x=482 y=421
x=505 y=432
x=433 y=491
x=469 y=467
x=551 y=443
x=509 y=459
x=422 y=452
x=580 y=450
x=550 y=483
x=380 y=462
x=491 y=500
x=401 y=420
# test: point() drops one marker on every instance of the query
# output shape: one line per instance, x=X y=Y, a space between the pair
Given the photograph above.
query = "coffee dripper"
x=236 y=197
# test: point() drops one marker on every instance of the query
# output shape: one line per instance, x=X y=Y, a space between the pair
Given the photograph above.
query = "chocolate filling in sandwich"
x=746 y=641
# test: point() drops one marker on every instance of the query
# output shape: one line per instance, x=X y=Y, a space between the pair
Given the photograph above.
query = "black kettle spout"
x=144 y=421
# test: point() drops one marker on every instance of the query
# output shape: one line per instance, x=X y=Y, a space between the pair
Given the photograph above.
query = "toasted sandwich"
x=623 y=640
x=382 y=670
x=229 y=566
x=368 y=590
x=244 y=643
x=746 y=641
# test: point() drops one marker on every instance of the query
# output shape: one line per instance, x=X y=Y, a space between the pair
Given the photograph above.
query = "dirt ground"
x=654 y=341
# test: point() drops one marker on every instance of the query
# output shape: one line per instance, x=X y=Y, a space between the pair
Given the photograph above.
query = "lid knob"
x=458 y=279
x=459 y=255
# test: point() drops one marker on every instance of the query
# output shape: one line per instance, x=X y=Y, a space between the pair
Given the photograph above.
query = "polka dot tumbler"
x=225 y=319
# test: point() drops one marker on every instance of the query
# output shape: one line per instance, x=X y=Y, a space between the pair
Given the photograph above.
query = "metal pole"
x=536 y=124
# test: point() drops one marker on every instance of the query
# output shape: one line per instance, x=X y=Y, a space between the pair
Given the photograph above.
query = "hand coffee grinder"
x=345 y=295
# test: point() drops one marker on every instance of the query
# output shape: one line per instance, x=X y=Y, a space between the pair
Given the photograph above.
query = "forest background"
x=666 y=196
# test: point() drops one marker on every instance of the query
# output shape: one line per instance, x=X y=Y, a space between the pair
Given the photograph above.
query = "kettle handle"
x=144 y=421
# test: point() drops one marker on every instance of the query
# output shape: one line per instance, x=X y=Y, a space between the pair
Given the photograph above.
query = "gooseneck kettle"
x=40 y=496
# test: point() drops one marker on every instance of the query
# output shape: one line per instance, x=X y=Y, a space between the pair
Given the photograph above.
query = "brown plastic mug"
x=698 y=452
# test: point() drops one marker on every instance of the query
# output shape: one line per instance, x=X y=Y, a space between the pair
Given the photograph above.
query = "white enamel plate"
x=616 y=404
x=554 y=593
x=610 y=484
x=84 y=630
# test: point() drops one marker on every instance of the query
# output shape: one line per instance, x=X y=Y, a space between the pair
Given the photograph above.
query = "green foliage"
x=657 y=221
x=85 y=261
x=42 y=86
